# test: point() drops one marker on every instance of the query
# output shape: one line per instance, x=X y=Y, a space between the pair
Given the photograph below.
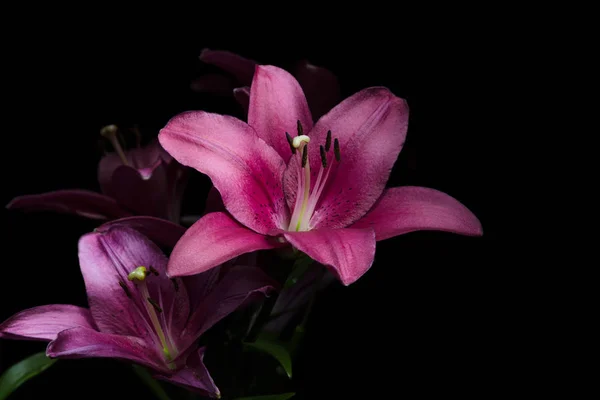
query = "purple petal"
x=79 y=202
x=214 y=202
x=214 y=83
x=160 y=231
x=348 y=252
x=245 y=170
x=320 y=86
x=45 y=322
x=405 y=209
x=241 y=68
x=106 y=259
x=371 y=127
x=242 y=96
x=239 y=285
x=89 y=343
x=194 y=376
x=277 y=103
x=212 y=240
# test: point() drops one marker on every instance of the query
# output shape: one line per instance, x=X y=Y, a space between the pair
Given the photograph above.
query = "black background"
x=432 y=315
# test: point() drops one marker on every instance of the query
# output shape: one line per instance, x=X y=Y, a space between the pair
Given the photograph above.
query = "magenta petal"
x=87 y=343
x=242 y=96
x=239 y=285
x=212 y=240
x=194 y=376
x=348 y=252
x=45 y=322
x=238 y=66
x=320 y=85
x=106 y=259
x=276 y=104
x=245 y=170
x=371 y=127
x=405 y=209
x=79 y=202
x=160 y=231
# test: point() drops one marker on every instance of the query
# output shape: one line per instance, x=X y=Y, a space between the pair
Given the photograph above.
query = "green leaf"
x=150 y=382
x=275 y=349
x=283 y=396
x=22 y=371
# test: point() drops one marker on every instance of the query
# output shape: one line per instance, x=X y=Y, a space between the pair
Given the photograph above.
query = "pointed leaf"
x=283 y=396
x=275 y=349
x=22 y=371
x=152 y=383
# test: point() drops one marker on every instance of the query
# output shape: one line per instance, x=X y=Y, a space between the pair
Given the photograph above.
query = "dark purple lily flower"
x=320 y=85
x=136 y=312
x=330 y=202
x=143 y=181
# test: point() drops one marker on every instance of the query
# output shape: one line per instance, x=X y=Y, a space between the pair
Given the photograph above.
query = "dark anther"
x=154 y=304
x=125 y=289
x=323 y=156
x=175 y=284
x=290 y=141
x=304 y=156
x=153 y=270
x=328 y=141
x=300 y=130
x=336 y=149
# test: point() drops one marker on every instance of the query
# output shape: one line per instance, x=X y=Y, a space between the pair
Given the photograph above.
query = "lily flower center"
x=138 y=276
x=306 y=200
x=110 y=133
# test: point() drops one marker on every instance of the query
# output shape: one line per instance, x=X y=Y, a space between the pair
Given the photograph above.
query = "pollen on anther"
x=304 y=156
x=336 y=150
x=300 y=129
x=291 y=142
x=125 y=288
x=154 y=304
x=328 y=141
x=323 y=156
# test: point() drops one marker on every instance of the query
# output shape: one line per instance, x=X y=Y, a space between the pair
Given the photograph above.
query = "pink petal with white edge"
x=371 y=128
x=277 y=103
x=78 y=202
x=245 y=170
x=89 y=343
x=45 y=322
x=212 y=240
x=348 y=252
x=406 y=209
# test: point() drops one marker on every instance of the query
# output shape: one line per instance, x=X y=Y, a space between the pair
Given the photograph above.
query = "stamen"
x=300 y=130
x=304 y=156
x=175 y=284
x=125 y=288
x=110 y=132
x=153 y=270
x=323 y=156
x=289 y=139
x=328 y=141
x=299 y=140
x=138 y=274
x=336 y=150
x=154 y=304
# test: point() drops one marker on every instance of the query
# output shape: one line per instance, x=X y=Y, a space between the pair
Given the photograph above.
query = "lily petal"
x=245 y=170
x=371 y=127
x=194 y=376
x=241 y=68
x=406 y=209
x=277 y=103
x=79 y=202
x=87 y=343
x=348 y=252
x=239 y=285
x=212 y=240
x=218 y=84
x=160 y=231
x=320 y=85
x=214 y=202
x=45 y=322
x=242 y=96
x=117 y=304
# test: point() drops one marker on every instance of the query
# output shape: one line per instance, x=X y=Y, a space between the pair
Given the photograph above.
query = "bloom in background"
x=321 y=190
x=320 y=85
x=136 y=312
x=142 y=181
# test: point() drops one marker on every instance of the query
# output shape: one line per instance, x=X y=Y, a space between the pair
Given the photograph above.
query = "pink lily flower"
x=136 y=312
x=320 y=85
x=322 y=191
x=142 y=181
